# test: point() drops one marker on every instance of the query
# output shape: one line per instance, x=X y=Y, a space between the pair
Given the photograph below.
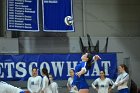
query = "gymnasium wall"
x=127 y=48
x=99 y=18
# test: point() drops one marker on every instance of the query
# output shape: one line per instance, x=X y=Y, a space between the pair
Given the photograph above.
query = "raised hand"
x=96 y=57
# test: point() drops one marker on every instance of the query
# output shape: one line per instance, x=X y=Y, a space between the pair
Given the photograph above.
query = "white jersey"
x=34 y=84
x=69 y=84
x=7 y=88
x=122 y=81
x=103 y=85
x=45 y=85
x=52 y=88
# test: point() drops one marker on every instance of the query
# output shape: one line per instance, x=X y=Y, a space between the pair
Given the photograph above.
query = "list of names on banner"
x=22 y=15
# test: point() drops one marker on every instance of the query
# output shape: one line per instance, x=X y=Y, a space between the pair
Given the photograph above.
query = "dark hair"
x=103 y=72
x=45 y=71
x=125 y=67
x=72 y=69
x=34 y=68
x=51 y=75
x=89 y=62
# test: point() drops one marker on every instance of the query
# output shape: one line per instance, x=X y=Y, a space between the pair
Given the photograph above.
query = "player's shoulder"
x=97 y=79
x=82 y=63
x=44 y=77
x=39 y=77
x=54 y=83
x=126 y=74
x=108 y=78
x=70 y=78
x=30 y=78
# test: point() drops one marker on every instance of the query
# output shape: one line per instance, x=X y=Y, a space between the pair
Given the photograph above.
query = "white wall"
x=9 y=45
x=107 y=17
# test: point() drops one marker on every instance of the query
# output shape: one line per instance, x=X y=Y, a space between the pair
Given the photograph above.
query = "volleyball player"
x=7 y=88
x=102 y=84
x=53 y=86
x=45 y=81
x=69 y=83
x=122 y=79
x=34 y=82
x=79 y=81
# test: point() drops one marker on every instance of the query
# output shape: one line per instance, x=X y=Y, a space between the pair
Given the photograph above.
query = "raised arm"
x=95 y=58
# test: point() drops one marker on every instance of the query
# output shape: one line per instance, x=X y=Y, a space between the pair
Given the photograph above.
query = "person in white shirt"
x=7 y=88
x=53 y=86
x=45 y=81
x=69 y=83
x=122 y=79
x=102 y=84
x=34 y=82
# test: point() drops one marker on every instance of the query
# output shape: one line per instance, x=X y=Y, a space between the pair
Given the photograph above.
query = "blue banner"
x=22 y=15
x=19 y=67
x=57 y=15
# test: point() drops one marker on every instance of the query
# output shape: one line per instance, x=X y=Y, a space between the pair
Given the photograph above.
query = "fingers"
x=96 y=57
